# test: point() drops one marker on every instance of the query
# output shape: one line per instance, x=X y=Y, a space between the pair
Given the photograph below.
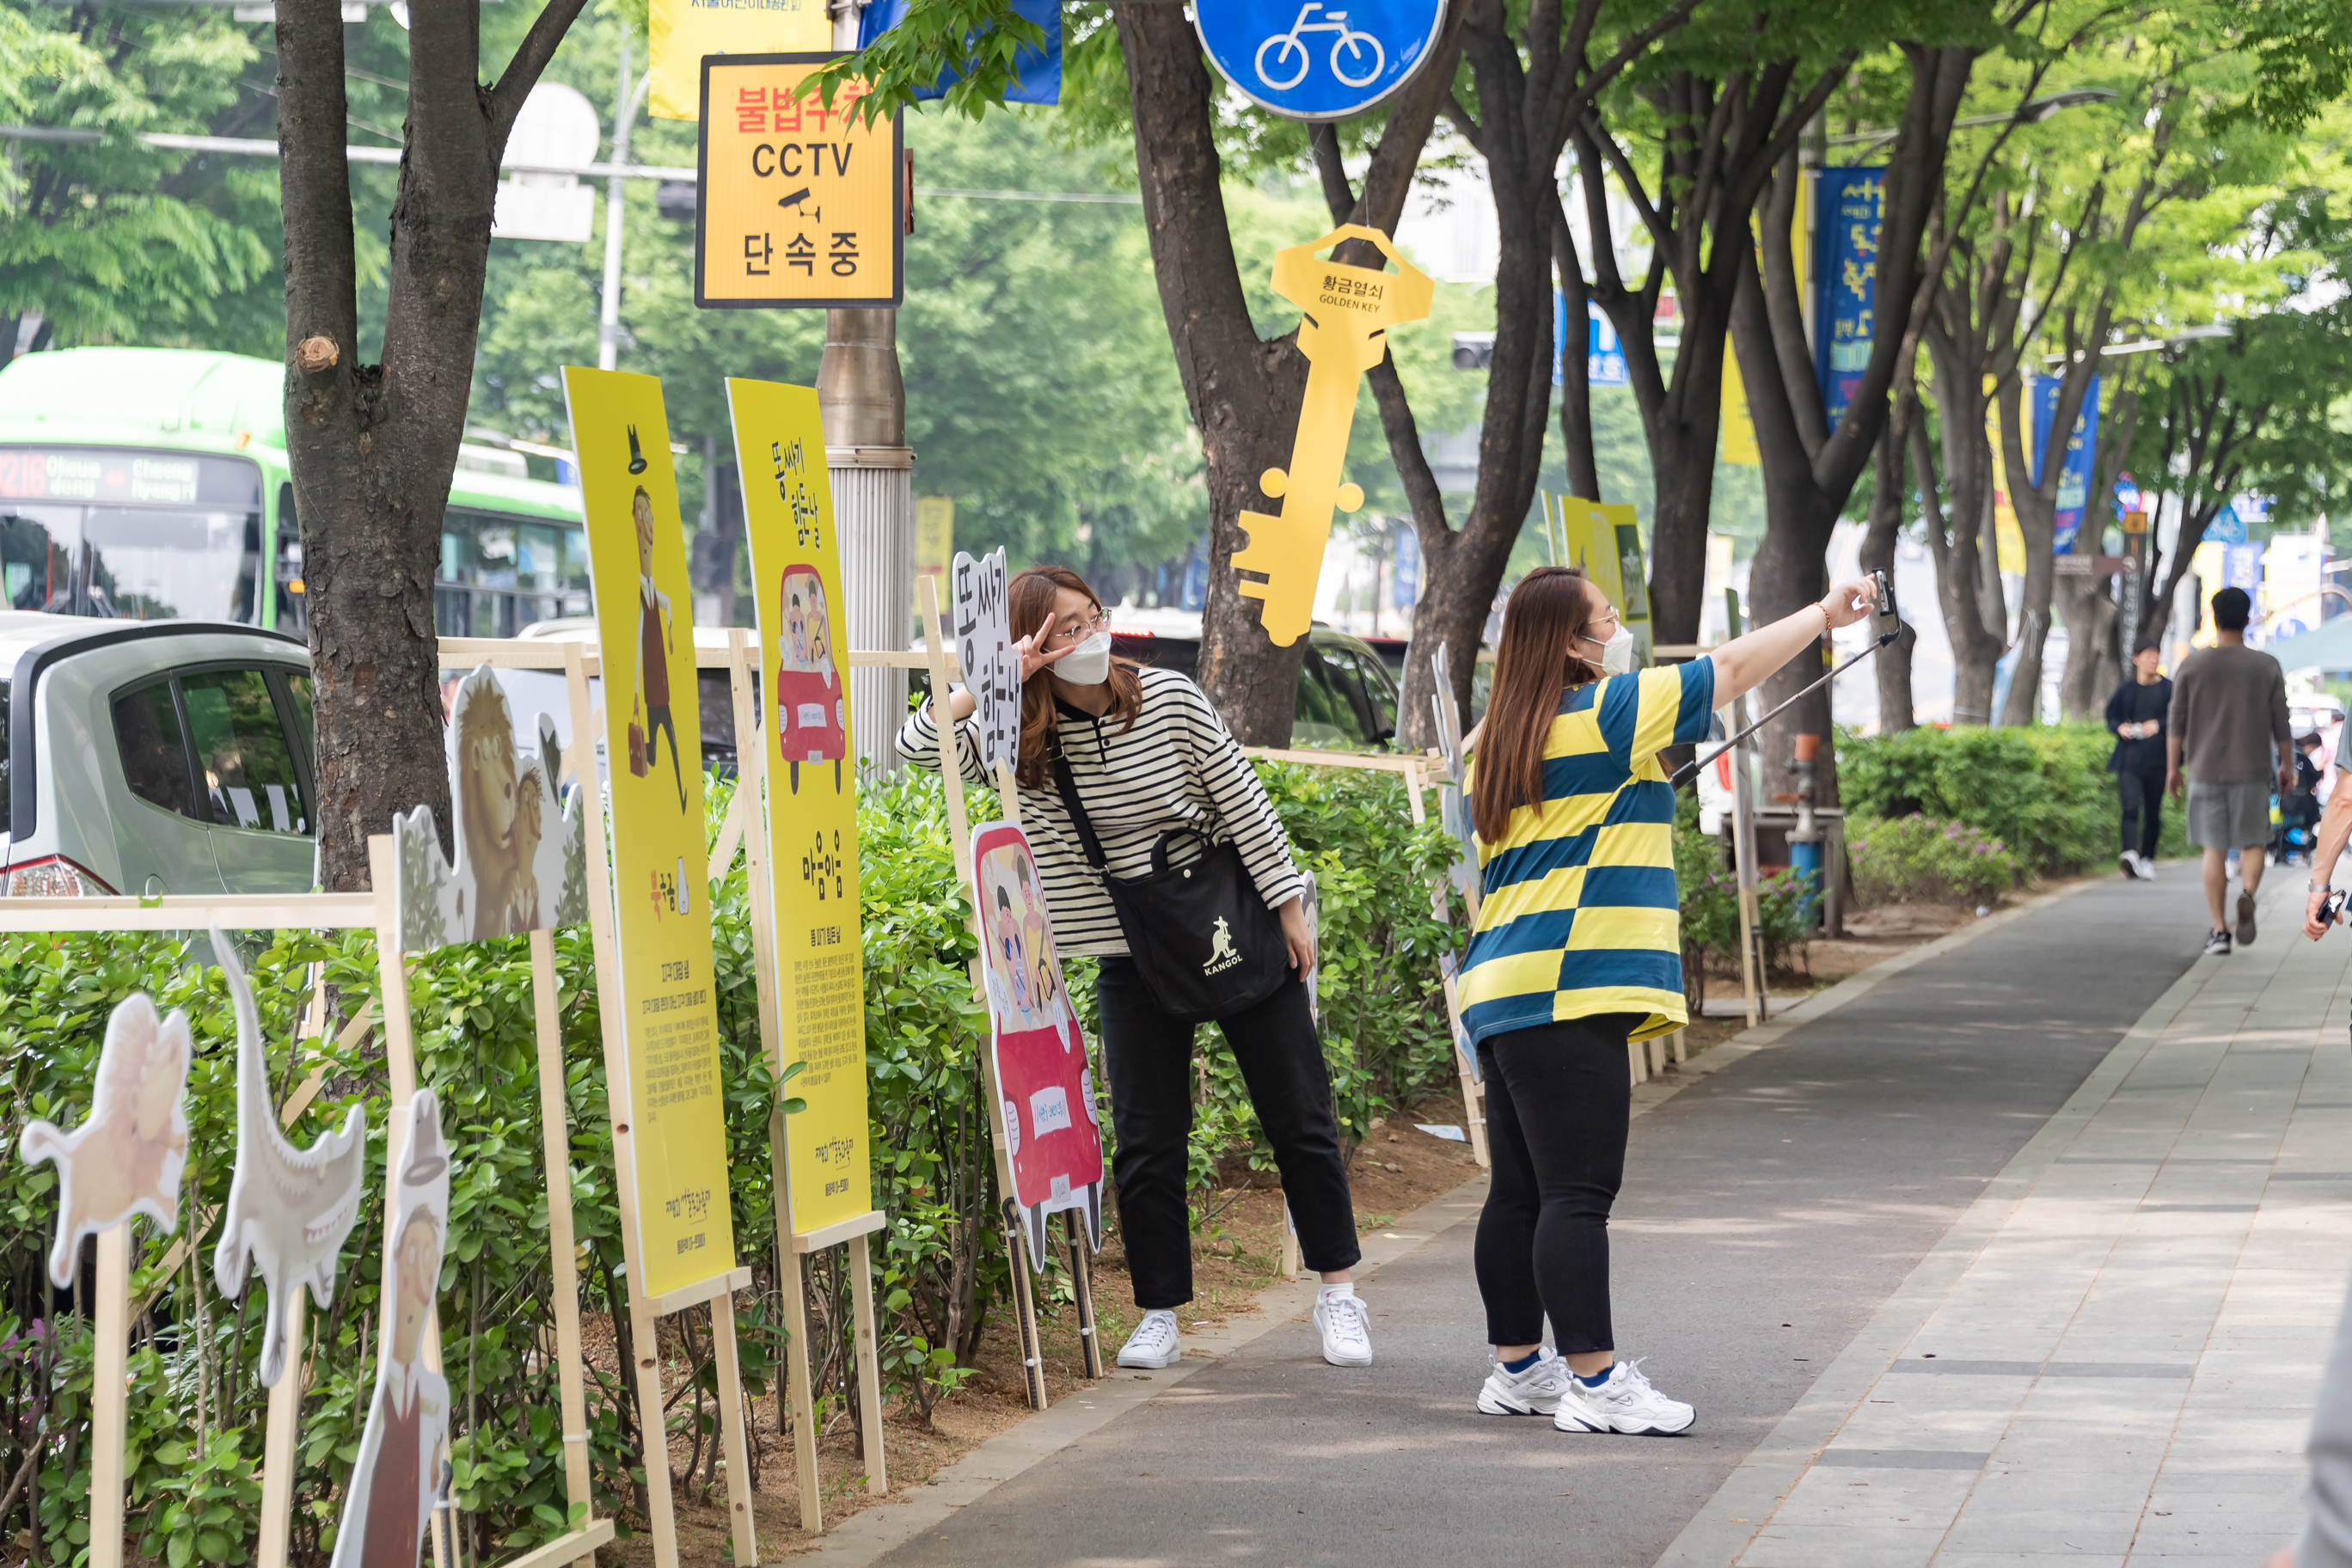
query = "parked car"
x=155 y=757
x=1347 y=697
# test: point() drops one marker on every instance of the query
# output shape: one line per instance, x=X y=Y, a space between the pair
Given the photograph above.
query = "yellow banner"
x=653 y=736
x=1738 y=426
x=812 y=795
x=2009 y=540
x=934 y=548
x=1604 y=541
x=685 y=30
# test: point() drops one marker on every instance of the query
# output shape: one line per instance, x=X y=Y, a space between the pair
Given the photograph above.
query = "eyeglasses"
x=1079 y=633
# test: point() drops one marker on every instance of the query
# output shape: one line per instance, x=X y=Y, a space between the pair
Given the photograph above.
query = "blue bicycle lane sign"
x=1307 y=60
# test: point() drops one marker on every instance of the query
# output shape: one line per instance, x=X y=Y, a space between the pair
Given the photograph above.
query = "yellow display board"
x=1348 y=311
x=812 y=795
x=653 y=739
x=685 y=30
x=801 y=203
x=1604 y=541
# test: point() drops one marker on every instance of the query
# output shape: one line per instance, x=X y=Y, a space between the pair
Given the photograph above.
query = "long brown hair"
x=1029 y=601
x=1542 y=623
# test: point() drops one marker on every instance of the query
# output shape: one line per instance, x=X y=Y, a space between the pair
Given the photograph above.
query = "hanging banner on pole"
x=1852 y=202
x=811 y=797
x=644 y=626
x=983 y=643
x=801 y=203
x=2075 y=475
x=1052 y=1136
x=683 y=31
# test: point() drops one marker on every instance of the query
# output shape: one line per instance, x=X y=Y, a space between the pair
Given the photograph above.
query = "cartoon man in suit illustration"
x=657 y=640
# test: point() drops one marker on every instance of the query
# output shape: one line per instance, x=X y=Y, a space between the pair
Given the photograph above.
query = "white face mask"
x=1617 y=653
x=1088 y=663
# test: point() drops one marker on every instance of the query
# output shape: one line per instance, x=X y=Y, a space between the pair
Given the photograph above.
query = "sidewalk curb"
x=1743 y=1506
x=864 y=1537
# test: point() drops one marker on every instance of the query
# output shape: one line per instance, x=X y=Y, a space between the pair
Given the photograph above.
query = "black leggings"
x=1559 y=1098
x=2142 y=796
x=1148 y=1059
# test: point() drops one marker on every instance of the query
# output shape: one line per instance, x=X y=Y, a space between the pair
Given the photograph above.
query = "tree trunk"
x=1880 y=533
x=2036 y=511
x=372 y=447
x=1244 y=394
x=2093 y=666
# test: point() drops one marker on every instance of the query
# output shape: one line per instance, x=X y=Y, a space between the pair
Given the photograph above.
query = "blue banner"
x=1851 y=203
x=1039 y=70
x=1604 y=356
x=2082 y=453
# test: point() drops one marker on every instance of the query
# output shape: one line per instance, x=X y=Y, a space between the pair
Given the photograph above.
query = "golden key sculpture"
x=1349 y=311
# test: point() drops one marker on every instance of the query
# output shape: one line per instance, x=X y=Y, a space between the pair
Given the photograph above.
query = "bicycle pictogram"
x=1356 y=58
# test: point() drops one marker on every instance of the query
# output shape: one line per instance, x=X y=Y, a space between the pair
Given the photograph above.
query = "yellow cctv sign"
x=801 y=203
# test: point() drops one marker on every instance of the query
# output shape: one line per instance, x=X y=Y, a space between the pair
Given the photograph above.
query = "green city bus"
x=149 y=484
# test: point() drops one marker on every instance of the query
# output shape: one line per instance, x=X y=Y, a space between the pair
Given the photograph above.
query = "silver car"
x=156 y=757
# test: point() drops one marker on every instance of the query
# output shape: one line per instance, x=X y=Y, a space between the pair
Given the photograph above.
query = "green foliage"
x=2044 y=792
x=1917 y=860
x=1709 y=890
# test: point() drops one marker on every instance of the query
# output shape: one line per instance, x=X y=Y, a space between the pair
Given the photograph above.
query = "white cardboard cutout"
x=126 y=1159
x=521 y=849
x=983 y=636
x=404 y=1450
x=289 y=1209
x=1053 y=1138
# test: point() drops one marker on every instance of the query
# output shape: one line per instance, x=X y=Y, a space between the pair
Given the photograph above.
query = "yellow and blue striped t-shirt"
x=1580 y=914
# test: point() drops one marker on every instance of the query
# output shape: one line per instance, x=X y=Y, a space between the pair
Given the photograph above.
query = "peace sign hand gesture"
x=1035 y=656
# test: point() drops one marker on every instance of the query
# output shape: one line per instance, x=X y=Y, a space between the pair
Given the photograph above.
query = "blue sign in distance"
x=1306 y=61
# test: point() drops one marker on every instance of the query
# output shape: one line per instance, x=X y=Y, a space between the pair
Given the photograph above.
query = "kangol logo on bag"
x=1222 y=955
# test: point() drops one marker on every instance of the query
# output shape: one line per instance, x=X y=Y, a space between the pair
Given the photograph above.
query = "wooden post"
x=642 y=1324
x=1082 y=1277
x=743 y=1528
x=278 y=1461
x=555 y=1131
x=1025 y=1309
x=110 y=1414
x=869 y=1373
x=1291 y=1260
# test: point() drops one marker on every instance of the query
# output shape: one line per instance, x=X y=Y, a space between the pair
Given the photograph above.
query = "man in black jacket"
x=2135 y=717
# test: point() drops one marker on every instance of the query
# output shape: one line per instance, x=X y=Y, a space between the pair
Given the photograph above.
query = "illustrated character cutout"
x=501 y=813
x=1044 y=1072
x=814 y=724
x=403 y=1460
x=657 y=640
x=126 y=1159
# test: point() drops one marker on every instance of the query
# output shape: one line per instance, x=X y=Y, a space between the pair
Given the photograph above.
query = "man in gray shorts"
x=2228 y=737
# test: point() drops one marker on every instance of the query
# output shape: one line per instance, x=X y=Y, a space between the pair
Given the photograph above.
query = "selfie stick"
x=1884 y=594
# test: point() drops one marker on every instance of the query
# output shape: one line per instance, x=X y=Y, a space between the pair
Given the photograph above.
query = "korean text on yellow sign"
x=811 y=797
x=653 y=736
x=684 y=30
x=801 y=203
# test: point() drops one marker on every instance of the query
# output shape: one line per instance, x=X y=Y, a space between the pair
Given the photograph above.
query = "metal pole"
x=863 y=403
x=624 y=114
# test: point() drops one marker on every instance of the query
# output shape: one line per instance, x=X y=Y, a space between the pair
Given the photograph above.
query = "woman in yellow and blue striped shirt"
x=1578 y=949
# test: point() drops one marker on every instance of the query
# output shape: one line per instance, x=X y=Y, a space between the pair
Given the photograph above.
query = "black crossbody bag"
x=1199 y=933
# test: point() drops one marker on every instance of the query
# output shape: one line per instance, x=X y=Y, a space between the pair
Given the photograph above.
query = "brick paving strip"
x=2110 y=1358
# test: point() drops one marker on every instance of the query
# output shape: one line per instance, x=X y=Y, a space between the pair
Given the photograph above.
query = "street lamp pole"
x=863 y=401
x=625 y=115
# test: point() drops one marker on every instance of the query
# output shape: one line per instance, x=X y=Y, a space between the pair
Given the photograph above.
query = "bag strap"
x=1068 y=789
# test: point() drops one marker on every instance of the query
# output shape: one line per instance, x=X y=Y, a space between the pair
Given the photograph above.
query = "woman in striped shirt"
x=1577 y=949
x=1147 y=754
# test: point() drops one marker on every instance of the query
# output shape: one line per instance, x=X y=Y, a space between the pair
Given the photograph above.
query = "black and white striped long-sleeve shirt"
x=1178 y=767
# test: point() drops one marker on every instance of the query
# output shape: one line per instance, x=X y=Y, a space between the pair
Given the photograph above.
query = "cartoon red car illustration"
x=813 y=718
x=1044 y=1073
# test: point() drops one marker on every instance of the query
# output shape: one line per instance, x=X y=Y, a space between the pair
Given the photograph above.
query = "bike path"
x=1770 y=1209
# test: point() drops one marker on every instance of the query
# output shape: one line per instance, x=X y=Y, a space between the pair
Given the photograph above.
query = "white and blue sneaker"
x=1625 y=1403
x=1538 y=1391
x=1154 y=1343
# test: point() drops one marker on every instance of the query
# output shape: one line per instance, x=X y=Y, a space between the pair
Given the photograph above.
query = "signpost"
x=801 y=203
x=1315 y=63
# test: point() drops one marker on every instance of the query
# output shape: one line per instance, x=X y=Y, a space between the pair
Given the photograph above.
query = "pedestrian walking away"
x=1577 y=949
x=1144 y=755
x=2136 y=716
x=2226 y=740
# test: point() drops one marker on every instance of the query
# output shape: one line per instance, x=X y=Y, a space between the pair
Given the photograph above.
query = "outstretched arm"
x=1742 y=664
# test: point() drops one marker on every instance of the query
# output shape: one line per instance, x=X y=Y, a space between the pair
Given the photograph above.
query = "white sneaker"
x=2130 y=862
x=2146 y=866
x=1626 y=1403
x=1153 y=1344
x=1341 y=1319
x=1535 y=1392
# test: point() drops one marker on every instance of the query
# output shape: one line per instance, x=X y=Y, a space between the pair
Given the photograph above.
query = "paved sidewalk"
x=2110 y=1358
x=1769 y=1211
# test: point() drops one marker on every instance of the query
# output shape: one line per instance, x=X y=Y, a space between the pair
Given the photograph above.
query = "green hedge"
x=2044 y=791
x=197 y=1411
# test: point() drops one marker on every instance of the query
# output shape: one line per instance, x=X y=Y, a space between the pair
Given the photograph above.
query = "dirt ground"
x=1237 y=1254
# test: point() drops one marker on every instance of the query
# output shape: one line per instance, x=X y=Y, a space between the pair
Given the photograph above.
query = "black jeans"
x=2142 y=796
x=1559 y=1098
x=1148 y=1059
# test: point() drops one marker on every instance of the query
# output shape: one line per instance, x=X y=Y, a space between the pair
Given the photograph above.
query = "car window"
x=1325 y=717
x=1364 y=691
x=5 y=795
x=242 y=750
x=305 y=731
x=154 y=752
